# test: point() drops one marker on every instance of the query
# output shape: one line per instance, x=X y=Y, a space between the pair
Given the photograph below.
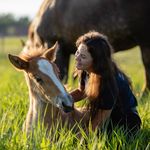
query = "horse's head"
x=43 y=78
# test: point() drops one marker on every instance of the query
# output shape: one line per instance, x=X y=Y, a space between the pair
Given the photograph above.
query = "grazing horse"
x=125 y=22
x=48 y=98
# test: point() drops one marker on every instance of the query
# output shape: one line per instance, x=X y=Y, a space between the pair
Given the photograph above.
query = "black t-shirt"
x=110 y=98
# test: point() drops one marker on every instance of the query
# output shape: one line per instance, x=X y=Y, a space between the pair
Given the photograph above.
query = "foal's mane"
x=32 y=53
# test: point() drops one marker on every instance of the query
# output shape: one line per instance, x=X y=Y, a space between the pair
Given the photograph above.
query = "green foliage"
x=14 y=105
x=9 y=25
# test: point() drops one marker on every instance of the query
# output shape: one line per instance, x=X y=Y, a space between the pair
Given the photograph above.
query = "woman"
x=106 y=87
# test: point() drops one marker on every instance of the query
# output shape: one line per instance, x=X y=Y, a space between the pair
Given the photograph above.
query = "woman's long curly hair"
x=104 y=68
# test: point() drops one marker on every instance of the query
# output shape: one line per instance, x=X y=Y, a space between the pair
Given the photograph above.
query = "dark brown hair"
x=100 y=50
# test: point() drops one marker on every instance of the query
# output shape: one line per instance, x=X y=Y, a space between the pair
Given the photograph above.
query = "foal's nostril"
x=67 y=108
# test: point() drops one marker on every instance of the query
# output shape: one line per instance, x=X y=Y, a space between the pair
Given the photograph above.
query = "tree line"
x=11 y=26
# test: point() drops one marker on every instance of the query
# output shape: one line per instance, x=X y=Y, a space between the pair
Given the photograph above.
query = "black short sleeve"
x=127 y=100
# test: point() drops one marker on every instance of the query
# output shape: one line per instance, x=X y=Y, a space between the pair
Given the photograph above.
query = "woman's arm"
x=77 y=95
x=100 y=118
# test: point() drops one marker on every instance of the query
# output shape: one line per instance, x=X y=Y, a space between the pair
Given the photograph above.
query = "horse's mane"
x=45 y=4
x=29 y=54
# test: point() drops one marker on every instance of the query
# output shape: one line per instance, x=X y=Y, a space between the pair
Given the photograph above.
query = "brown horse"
x=48 y=98
x=125 y=22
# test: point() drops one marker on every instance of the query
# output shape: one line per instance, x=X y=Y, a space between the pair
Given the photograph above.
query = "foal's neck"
x=39 y=104
x=45 y=109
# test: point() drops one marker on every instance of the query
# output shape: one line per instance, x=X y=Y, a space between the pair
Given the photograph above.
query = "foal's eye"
x=38 y=79
x=83 y=56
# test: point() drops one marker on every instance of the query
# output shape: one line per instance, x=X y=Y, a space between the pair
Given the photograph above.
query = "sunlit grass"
x=14 y=105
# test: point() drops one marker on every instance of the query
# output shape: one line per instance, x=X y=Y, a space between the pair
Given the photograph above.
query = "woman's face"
x=83 y=58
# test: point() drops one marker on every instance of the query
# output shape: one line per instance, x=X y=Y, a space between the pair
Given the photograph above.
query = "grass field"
x=14 y=105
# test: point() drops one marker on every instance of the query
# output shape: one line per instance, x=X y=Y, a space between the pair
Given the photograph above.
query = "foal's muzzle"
x=65 y=103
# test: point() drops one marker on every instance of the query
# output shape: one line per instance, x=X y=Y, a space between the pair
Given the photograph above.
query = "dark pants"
x=130 y=122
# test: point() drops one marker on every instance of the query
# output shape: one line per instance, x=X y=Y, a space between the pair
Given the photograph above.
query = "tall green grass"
x=14 y=103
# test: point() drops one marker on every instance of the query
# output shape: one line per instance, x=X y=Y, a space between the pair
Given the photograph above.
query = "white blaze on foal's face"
x=47 y=68
x=62 y=98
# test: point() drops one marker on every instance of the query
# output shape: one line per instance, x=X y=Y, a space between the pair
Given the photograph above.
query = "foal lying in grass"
x=49 y=100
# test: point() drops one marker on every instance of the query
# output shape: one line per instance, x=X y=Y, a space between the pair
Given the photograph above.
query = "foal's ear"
x=50 y=54
x=18 y=62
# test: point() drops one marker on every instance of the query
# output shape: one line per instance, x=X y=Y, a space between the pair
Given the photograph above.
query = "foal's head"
x=42 y=76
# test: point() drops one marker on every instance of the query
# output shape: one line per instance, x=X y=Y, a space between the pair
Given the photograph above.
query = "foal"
x=48 y=97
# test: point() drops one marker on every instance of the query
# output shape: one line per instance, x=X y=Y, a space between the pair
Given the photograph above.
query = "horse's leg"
x=146 y=61
x=62 y=61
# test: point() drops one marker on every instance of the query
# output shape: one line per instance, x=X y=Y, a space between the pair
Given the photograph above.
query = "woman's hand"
x=77 y=95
